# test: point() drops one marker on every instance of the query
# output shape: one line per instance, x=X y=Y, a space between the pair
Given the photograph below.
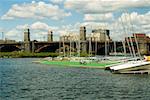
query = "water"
x=23 y=80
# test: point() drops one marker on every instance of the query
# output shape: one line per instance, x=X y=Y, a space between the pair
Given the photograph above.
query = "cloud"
x=14 y=34
x=98 y=17
x=37 y=10
x=104 y=6
x=100 y=14
x=42 y=26
x=1 y=29
x=37 y=26
x=56 y=1
x=38 y=31
x=22 y=27
x=124 y=25
x=127 y=24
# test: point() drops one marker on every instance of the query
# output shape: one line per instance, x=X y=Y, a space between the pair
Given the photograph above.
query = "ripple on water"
x=23 y=80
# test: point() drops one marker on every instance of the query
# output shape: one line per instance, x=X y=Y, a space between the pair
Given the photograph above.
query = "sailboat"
x=131 y=67
x=136 y=66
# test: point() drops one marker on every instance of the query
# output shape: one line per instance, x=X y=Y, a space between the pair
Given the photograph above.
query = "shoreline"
x=22 y=54
x=27 y=55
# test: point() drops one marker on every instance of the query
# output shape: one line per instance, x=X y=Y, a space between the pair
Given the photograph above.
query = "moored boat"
x=130 y=66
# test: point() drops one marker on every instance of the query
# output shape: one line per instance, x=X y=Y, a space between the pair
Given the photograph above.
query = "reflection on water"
x=23 y=80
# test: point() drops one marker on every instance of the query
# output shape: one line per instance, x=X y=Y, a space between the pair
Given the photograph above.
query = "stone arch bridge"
x=54 y=46
x=98 y=48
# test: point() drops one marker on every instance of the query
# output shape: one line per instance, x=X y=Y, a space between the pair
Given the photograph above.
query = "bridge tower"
x=50 y=36
x=82 y=33
x=83 y=39
x=27 y=44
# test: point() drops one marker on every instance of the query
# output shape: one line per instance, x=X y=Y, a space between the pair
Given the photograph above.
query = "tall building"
x=27 y=44
x=83 y=33
x=101 y=34
x=50 y=36
x=83 y=39
x=26 y=35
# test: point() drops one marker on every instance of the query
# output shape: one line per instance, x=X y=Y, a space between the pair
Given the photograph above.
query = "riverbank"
x=27 y=54
x=21 y=54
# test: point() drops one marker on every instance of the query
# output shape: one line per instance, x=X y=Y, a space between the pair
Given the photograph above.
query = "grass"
x=77 y=64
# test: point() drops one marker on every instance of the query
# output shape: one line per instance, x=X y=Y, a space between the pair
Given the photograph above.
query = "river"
x=20 y=79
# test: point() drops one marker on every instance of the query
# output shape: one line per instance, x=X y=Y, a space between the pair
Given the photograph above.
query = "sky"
x=121 y=17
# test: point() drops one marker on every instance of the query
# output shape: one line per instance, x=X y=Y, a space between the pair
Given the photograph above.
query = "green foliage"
x=26 y=54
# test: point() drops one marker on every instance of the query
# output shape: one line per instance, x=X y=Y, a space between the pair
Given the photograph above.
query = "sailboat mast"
x=137 y=45
x=59 y=46
x=115 y=48
x=131 y=41
x=70 y=45
x=64 y=46
x=128 y=43
x=105 y=45
x=89 y=46
x=95 y=46
x=124 y=48
x=79 y=46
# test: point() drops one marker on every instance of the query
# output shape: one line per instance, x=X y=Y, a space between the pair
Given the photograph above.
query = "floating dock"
x=79 y=64
x=136 y=72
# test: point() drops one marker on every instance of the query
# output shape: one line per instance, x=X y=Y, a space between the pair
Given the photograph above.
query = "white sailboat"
x=131 y=66
x=140 y=66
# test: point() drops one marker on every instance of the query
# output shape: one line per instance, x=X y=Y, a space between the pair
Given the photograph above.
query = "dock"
x=101 y=65
x=136 y=72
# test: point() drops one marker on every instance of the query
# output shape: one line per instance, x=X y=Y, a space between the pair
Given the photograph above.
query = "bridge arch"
x=9 y=48
x=47 y=48
x=52 y=48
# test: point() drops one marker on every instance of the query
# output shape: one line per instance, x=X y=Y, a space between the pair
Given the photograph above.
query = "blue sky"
x=66 y=16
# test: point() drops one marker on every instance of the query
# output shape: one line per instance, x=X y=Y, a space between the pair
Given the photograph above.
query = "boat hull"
x=143 y=67
x=134 y=70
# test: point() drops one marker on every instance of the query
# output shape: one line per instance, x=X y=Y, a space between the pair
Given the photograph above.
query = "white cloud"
x=56 y=1
x=120 y=28
x=37 y=10
x=130 y=23
x=104 y=6
x=66 y=29
x=98 y=17
x=1 y=29
x=42 y=26
x=39 y=26
x=14 y=34
x=22 y=27
x=38 y=31
x=99 y=14
x=140 y=24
